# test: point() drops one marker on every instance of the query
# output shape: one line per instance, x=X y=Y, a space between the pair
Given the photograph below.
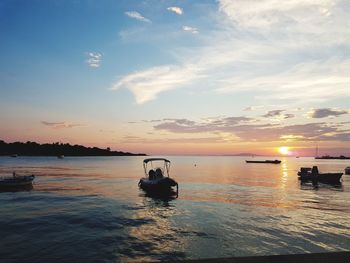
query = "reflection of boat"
x=154 y=181
x=312 y=174
x=266 y=161
x=16 y=181
x=347 y=170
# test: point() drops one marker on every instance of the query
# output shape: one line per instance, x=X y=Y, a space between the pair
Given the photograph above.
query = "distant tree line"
x=56 y=149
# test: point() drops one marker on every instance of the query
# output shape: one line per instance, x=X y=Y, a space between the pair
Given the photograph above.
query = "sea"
x=90 y=209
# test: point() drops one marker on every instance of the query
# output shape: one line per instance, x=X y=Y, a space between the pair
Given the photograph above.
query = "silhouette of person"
x=159 y=173
x=151 y=174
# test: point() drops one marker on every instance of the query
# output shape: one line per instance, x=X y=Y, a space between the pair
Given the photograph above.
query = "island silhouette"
x=56 y=149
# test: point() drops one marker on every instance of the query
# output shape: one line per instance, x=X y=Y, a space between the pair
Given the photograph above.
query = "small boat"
x=154 y=181
x=14 y=155
x=347 y=170
x=16 y=180
x=60 y=156
x=266 y=161
x=328 y=157
x=312 y=174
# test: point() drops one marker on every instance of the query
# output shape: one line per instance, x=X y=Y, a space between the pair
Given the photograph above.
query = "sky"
x=178 y=77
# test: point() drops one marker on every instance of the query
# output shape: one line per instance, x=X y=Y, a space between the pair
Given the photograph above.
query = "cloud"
x=208 y=125
x=270 y=15
x=137 y=16
x=147 y=84
x=245 y=129
x=268 y=51
x=62 y=125
x=176 y=9
x=273 y=113
x=326 y=112
x=278 y=114
x=190 y=29
x=94 y=59
x=191 y=140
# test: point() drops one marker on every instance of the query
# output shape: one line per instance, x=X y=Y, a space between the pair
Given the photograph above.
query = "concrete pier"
x=331 y=257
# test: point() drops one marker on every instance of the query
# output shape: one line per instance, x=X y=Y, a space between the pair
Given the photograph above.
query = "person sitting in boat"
x=151 y=174
x=159 y=173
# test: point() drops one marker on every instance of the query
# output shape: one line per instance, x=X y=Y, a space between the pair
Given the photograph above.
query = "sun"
x=284 y=150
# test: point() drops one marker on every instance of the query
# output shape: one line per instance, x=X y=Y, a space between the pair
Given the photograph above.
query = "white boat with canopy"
x=157 y=179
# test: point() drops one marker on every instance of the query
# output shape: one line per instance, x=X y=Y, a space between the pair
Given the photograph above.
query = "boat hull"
x=266 y=161
x=321 y=177
x=163 y=185
x=18 y=181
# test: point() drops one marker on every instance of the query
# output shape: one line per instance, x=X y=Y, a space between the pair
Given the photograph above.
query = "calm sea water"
x=90 y=209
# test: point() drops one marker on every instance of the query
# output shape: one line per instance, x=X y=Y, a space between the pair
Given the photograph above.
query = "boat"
x=312 y=174
x=16 y=180
x=157 y=179
x=347 y=170
x=328 y=157
x=60 y=156
x=266 y=161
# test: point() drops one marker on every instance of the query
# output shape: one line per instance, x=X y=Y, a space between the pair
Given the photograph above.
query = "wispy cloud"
x=94 y=59
x=269 y=51
x=62 y=125
x=191 y=140
x=190 y=29
x=176 y=9
x=326 y=112
x=147 y=84
x=245 y=130
x=252 y=108
x=137 y=16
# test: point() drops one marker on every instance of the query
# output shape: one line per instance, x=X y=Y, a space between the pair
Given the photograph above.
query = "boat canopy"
x=166 y=164
x=156 y=159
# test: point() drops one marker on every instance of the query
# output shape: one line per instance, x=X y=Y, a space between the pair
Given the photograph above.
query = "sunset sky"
x=178 y=77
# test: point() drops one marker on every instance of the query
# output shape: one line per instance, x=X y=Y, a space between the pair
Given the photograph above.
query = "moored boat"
x=312 y=174
x=16 y=181
x=154 y=181
x=266 y=161
x=328 y=157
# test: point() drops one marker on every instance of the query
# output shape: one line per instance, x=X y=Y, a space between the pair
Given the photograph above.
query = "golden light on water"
x=284 y=150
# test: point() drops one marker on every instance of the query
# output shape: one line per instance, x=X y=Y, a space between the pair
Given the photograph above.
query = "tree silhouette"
x=57 y=149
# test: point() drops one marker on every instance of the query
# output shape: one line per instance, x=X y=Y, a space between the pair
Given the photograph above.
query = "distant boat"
x=154 y=181
x=16 y=181
x=347 y=170
x=266 y=161
x=312 y=174
x=328 y=157
x=60 y=156
x=14 y=155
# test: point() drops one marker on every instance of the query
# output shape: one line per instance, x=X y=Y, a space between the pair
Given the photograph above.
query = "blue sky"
x=199 y=76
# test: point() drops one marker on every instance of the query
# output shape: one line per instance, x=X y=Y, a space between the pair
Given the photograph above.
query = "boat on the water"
x=347 y=170
x=266 y=161
x=328 y=157
x=157 y=179
x=312 y=174
x=16 y=181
